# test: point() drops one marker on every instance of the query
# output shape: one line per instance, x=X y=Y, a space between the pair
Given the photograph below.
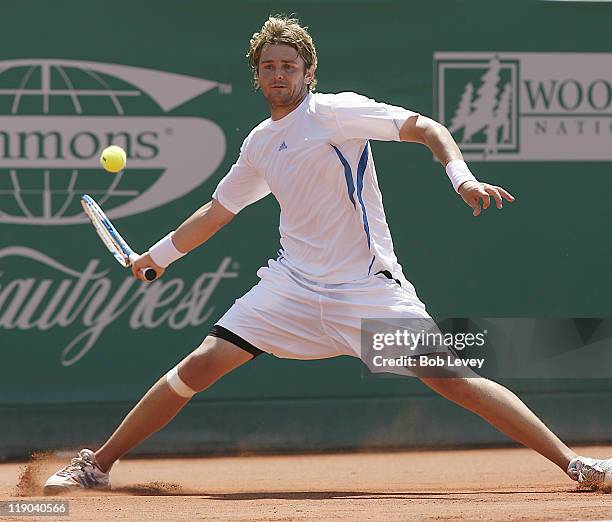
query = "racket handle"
x=149 y=274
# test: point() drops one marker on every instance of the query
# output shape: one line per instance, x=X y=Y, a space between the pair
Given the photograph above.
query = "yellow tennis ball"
x=113 y=159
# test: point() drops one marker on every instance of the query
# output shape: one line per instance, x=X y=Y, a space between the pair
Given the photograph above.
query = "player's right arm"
x=242 y=185
x=195 y=230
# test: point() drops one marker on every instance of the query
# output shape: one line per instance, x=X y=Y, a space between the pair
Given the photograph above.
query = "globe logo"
x=58 y=115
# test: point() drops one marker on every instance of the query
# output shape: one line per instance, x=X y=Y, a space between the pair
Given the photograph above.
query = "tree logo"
x=477 y=100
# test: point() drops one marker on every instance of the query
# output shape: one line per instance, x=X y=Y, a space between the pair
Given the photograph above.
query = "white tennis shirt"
x=318 y=164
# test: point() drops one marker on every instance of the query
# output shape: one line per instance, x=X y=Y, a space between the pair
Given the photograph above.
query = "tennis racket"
x=111 y=238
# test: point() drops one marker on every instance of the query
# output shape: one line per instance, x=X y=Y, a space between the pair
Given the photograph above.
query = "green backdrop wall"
x=80 y=342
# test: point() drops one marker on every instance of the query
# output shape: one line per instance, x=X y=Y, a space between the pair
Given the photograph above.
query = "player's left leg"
x=504 y=410
x=383 y=296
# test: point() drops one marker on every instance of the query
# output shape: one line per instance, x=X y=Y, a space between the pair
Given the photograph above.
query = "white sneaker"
x=82 y=472
x=592 y=473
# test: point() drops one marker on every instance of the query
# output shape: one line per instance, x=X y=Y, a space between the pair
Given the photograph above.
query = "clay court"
x=492 y=484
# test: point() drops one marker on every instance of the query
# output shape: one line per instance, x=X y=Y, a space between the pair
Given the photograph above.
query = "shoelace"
x=590 y=474
x=77 y=463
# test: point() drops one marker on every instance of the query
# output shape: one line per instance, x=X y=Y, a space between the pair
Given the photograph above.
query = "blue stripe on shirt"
x=363 y=163
x=348 y=175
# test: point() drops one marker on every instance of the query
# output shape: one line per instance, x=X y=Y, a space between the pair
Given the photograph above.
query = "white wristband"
x=458 y=173
x=164 y=252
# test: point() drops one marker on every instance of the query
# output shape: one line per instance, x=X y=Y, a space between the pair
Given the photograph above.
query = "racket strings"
x=99 y=224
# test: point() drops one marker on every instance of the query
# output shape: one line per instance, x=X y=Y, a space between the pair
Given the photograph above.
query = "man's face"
x=283 y=77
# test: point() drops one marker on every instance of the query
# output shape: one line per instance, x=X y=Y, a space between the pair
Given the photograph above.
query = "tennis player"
x=336 y=265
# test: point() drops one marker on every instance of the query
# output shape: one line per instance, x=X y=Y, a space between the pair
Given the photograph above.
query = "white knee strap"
x=177 y=384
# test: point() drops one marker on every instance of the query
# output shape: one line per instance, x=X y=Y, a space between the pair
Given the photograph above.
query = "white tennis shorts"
x=290 y=317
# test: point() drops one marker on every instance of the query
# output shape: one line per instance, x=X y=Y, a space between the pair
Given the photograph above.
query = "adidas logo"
x=283 y=146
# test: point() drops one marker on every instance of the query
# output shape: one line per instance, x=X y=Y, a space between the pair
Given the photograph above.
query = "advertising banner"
x=528 y=101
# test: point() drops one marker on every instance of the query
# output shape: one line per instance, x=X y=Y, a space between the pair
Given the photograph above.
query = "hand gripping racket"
x=111 y=238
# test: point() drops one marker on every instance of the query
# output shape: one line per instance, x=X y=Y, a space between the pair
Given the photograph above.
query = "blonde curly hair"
x=280 y=29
